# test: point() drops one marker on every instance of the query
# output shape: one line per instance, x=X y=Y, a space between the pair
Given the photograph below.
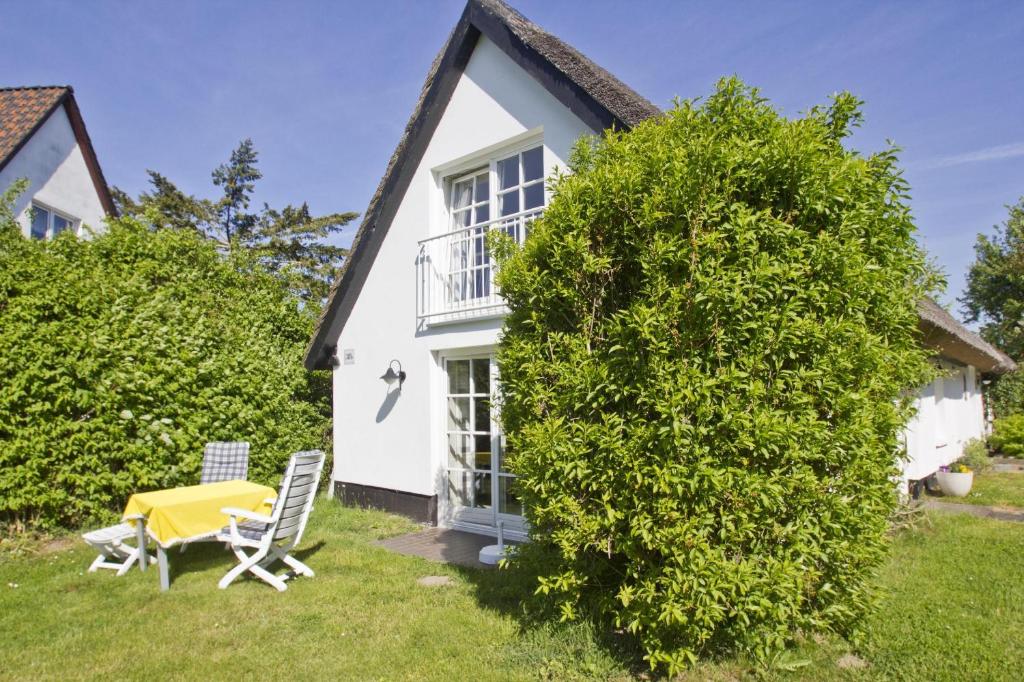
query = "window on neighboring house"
x=514 y=185
x=47 y=223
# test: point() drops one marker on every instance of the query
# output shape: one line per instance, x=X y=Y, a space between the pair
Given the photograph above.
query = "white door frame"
x=462 y=518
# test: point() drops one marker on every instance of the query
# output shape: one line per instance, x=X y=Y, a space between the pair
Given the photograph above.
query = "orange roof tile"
x=22 y=110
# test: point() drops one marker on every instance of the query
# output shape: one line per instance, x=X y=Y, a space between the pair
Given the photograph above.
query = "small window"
x=47 y=223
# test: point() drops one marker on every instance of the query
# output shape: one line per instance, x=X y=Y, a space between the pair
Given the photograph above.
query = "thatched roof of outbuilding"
x=953 y=340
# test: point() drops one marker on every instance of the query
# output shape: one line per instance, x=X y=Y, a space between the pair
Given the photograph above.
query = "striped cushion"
x=250 y=530
x=225 y=462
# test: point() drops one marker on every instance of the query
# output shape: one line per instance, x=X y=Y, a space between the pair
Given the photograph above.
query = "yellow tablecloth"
x=190 y=513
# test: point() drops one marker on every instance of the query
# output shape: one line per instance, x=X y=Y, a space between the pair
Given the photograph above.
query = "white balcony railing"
x=455 y=271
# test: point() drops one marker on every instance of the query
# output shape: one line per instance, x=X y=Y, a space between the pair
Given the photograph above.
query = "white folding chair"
x=110 y=543
x=274 y=536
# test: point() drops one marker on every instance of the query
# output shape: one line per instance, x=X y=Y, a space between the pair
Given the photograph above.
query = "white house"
x=43 y=139
x=415 y=303
x=951 y=410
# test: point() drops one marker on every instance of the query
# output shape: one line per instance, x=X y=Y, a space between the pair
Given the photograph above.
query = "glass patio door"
x=480 y=490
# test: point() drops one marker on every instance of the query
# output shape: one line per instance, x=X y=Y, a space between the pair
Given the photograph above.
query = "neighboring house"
x=43 y=139
x=500 y=110
x=950 y=410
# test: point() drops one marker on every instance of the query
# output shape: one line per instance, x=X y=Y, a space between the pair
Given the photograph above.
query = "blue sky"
x=325 y=88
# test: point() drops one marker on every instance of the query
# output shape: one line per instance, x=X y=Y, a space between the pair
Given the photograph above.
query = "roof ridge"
x=8 y=88
x=568 y=59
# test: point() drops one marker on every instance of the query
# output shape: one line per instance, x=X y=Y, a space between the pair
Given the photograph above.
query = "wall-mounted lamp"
x=391 y=376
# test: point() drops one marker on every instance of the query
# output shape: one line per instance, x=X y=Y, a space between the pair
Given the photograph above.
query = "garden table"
x=180 y=515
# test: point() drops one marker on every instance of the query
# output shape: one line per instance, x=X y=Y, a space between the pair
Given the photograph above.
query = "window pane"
x=503 y=452
x=60 y=224
x=458 y=414
x=459 y=451
x=458 y=376
x=482 y=188
x=40 y=218
x=462 y=194
x=533 y=196
x=481 y=282
x=482 y=377
x=457 y=286
x=508 y=172
x=482 y=491
x=508 y=501
x=481 y=255
x=483 y=452
x=509 y=203
x=482 y=410
x=459 y=492
x=483 y=213
x=461 y=219
x=533 y=164
x=459 y=255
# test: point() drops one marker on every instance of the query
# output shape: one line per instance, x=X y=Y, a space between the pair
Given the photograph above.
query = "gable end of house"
x=27 y=109
x=598 y=98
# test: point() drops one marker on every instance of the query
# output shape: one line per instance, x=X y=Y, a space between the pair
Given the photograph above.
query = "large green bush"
x=1006 y=395
x=1007 y=437
x=120 y=356
x=712 y=330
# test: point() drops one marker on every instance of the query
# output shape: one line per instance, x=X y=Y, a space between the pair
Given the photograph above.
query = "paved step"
x=977 y=510
x=1007 y=465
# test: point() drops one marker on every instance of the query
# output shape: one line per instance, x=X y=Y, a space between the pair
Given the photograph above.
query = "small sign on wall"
x=348 y=356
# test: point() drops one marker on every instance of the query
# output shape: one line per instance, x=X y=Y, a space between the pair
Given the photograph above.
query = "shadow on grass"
x=510 y=590
x=202 y=556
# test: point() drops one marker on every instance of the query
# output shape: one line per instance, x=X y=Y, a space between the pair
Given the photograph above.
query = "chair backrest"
x=225 y=462
x=295 y=501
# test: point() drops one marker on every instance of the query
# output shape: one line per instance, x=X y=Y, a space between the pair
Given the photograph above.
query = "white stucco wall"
x=395 y=442
x=948 y=415
x=58 y=178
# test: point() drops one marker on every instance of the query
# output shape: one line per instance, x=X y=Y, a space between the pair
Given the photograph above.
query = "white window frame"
x=50 y=213
x=475 y=165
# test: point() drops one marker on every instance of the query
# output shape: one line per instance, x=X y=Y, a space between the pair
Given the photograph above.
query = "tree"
x=705 y=366
x=123 y=354
x=995 y=297
x=238 y=179
x=171 y=208
x=292 y=242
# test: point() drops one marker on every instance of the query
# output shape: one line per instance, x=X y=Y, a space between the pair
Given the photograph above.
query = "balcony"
x=455 y=272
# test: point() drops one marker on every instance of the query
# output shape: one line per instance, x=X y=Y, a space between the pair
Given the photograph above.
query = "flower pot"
x=954 y=484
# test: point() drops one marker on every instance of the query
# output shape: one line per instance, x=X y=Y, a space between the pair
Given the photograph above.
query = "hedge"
x=121 y=355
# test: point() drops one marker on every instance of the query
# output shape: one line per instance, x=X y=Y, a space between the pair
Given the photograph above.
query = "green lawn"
x=952 y=609
x=994 y=490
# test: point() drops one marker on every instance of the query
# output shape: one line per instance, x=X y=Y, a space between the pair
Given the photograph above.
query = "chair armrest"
x=245 y=513
x=271 y=501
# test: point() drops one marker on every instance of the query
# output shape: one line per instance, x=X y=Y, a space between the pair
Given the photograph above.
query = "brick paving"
x=441 y=544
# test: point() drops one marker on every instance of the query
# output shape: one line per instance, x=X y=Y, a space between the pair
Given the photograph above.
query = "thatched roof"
x=953 y=340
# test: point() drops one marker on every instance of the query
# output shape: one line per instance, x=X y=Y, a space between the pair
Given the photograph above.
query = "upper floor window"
x=455 y=273
x=47 y=223
x=515 y=182
x=520 y=182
